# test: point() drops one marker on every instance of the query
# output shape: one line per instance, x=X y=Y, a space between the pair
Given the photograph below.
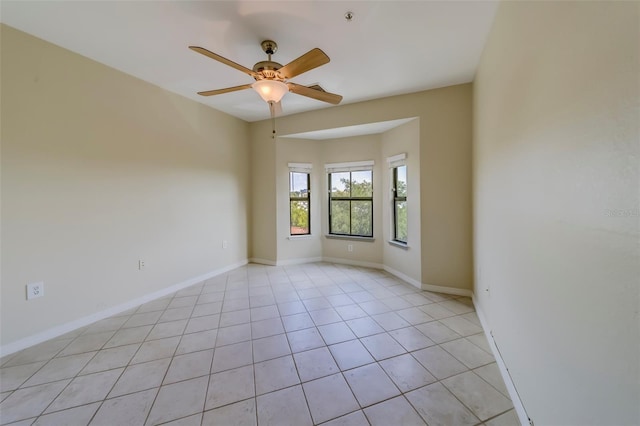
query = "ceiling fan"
x=272 y=78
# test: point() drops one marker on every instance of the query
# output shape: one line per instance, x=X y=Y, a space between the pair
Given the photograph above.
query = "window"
x=299 y=199
x=398 y=167
x=351 y=199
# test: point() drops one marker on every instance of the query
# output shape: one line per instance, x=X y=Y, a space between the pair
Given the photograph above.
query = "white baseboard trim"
x=263 y=261
x=353 y=262
x=403 y=277
x=447 y=290
x=298 y=261
x=504 y=371
x=59 y=330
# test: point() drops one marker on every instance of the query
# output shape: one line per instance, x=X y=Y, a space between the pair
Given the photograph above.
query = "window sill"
x=403 y=246
x=349 y=237
x=300 y=237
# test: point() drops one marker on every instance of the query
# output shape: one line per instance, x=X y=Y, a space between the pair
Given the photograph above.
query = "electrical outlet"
x=349 y=247
x=35 y=290
x=141 y=265
x=224 y=244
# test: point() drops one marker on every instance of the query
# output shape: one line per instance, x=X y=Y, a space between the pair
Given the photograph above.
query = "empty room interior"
x=431 y=217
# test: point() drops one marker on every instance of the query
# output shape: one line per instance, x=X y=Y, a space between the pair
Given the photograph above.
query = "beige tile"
x=438 y=407
x=436 y=311
x=182 y=302
x=309 y=293
x=264 y=312
x=297 y=322
x=286 y=407
x=210 y=297
x=275 y=374
x=328 y=398
x=73 y=416
x=315 y=363
x=267 y=327
x=146 y=318
x=241 y=413
x=374 y=307
x=179 y=400
x=207 y=309
x=192 y=290
x=363 y=327
x=414 y=315
x=126 y=410
x=154 y=305
x=473 y=317
x=411 y=338
x=12 y=377
x=461 y=326
x=167 y=329
x=41 y=352
x=390 y=321
x=106 y=359
x=303 y=340
x=60 y=368
x=263 y=300
x=483 y=400
x=439 y=362
x=491 y=374
x=357 y=418
x=350 y=354
x=467 y=353
x=85 y=389
x=438 y=332
x=231 y=356
x=382 y=346
x=197 y=341
x=416 y=299
x=29 y=402
x=337 y=300
x=140 y=377
x=370 y=384
x=107 y=324
x=350 y=312
x=235 y=304
x=233 y=334
x=230 y=386
x=336 y=333
x=128 y=336
x=510 y=418
x=175 y=314
x=242 y=316
x=480 y=341
x=291 y=307
x=270 y=347
x=457 y=306
x=396 y=411
x=156 y=349
x=87 y=343
x=407 y=373
x=361 y=296
x=5 y=395
x=325 y=316
x=189 y=366
x=208 y=322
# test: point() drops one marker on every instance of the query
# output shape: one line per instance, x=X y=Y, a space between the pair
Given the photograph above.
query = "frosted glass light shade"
x=270 y=90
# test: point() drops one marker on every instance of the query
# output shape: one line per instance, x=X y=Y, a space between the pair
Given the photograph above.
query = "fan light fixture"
x=270 y=90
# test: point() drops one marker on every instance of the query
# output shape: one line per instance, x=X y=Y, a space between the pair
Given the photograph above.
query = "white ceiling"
x=390 y=47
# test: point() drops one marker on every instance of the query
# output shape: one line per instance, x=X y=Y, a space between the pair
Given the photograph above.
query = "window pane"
x=340 y=184
x=361 y=184
x=401 y=182
x=401 y=221
x=361 y=218
x=298 y=185
x=340 y=218
x=299 y=217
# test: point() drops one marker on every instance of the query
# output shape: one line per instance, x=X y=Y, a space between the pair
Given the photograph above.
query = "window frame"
x=394 y=163
x=349 y=168
x=301 y=168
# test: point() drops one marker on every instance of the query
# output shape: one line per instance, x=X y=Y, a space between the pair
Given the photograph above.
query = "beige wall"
x=556 y=149
x=445 y=175
x=99 y=170
x=403 y=139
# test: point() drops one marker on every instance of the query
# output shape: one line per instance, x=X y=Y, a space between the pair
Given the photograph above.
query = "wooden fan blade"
x=320 y=95
x=222 y=59
x=310 y=60
x=226 y=90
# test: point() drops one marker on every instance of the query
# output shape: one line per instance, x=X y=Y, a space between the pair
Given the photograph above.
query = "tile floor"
x=301 y=345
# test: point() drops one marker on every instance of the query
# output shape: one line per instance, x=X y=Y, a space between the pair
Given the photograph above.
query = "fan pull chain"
x=272 y=110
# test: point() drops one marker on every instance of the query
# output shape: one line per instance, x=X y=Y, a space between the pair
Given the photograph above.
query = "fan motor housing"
x=268 y=69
